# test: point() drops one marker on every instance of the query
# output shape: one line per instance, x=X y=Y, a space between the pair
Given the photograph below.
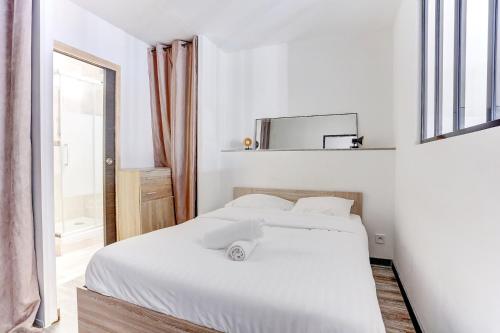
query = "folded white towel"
x=221 y=238
x=241 y=250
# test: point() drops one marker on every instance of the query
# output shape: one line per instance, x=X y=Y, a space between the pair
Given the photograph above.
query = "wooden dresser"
x=145 y=201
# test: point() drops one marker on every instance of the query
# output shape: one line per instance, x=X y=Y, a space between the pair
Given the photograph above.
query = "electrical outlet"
x=380 y=238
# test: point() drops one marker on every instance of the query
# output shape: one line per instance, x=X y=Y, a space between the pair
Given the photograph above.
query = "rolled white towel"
x=241 y=250
x=221 y=238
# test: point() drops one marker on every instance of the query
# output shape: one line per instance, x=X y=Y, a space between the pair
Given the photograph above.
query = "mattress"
x=309 y=273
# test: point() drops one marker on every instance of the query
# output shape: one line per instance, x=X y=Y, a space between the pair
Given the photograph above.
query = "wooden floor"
x=75 y=253
x=394 y=312
x=392 y=305
x=66 y=298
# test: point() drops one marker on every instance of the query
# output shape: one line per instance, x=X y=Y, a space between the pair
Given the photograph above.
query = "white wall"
x=43 y=161
x=370 y=172
x=81 y=29
x=348 y=73
x=257 y=83
x=352 y=73
x=252 y=84
x=209 y=127
x=447 y=218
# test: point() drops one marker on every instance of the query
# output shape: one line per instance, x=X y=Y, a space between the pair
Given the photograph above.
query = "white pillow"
x=324 y=205
x=262 y=201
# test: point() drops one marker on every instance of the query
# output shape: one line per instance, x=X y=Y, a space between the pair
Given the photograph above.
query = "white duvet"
x=309 y=273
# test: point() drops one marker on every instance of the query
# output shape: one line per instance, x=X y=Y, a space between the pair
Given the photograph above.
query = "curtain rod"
x=165 y=47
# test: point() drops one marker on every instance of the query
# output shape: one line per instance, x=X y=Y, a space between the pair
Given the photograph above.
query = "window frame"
x=493 y=79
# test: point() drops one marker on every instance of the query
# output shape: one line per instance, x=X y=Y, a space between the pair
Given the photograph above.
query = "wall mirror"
x=332 y=131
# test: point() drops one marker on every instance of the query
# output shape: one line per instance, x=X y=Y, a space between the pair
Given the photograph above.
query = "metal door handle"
x=109 y=161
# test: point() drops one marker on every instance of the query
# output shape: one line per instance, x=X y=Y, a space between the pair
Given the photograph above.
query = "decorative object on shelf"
x=357 y=142
x=338 y=141
x=247 y=143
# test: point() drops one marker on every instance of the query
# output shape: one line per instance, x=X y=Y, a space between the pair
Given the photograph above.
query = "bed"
x=314 y=279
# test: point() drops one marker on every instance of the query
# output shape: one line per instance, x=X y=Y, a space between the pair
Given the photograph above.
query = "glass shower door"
x=78 y=145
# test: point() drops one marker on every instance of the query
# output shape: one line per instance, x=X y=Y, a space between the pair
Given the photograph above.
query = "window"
x=460 y=53
x=448 y=64
x=430 y=65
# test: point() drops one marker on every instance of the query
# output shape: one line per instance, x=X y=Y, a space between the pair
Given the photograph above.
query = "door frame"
x=73 y=52
x=106 y=65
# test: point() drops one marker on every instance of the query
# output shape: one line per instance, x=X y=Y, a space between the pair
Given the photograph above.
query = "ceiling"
x=240 y=24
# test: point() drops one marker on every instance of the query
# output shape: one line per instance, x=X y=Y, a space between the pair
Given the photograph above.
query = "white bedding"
x=314 y=279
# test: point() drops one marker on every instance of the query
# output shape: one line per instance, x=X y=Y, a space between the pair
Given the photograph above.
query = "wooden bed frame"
x=103 y=314
x=294 y=195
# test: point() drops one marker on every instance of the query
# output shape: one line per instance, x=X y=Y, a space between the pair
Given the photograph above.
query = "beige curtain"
x=173 y=85
x=19 y=296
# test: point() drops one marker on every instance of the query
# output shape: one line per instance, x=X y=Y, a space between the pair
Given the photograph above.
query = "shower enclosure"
x=78 y=145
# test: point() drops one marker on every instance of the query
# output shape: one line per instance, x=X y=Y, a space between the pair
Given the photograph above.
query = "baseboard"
x=413 y=317
x=39 y=323
x=381 y=262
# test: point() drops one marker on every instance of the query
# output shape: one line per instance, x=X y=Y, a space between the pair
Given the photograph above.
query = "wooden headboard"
x=294 y=195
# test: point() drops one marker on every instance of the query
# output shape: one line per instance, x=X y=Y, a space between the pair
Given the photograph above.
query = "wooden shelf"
x=303 y=150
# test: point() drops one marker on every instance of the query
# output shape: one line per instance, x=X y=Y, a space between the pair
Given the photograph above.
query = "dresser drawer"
x=153 y=176
x=145 y=201
x=153 y=191
x=157 y=214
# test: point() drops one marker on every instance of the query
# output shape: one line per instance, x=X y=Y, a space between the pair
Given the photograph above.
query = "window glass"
x=457 y=60
x=496 y=113
x=448 y=64
x=476 y=62
x=431 y=67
